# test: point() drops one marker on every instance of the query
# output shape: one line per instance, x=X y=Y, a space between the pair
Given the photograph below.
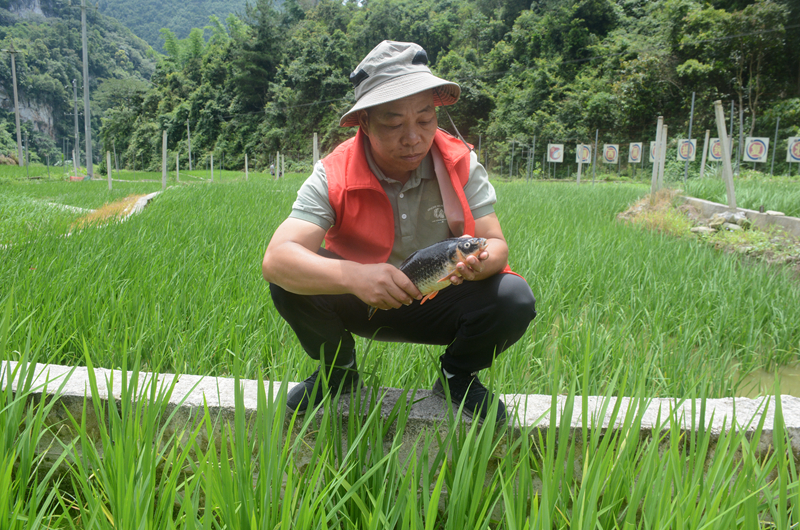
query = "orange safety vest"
x=364 y=227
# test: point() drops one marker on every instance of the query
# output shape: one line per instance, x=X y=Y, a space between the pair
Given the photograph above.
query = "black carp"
x=430 y=268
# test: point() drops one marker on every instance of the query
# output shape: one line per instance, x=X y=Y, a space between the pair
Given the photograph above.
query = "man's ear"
x=363 y=121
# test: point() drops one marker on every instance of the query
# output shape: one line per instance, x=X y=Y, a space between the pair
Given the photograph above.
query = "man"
x=400 y=185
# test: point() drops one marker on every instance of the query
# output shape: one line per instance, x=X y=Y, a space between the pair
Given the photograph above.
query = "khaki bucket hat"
x=394 y=70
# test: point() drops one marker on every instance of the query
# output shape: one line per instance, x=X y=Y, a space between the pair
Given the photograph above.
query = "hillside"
x=562 y=71
x=146 y=17
x=47 y=35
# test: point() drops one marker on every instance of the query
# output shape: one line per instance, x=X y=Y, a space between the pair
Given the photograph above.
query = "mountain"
x=146 y=17
x=47 y=37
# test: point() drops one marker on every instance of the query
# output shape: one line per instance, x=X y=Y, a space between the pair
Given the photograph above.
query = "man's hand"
x=383 y=286
x=470 y=269
x=492 y=260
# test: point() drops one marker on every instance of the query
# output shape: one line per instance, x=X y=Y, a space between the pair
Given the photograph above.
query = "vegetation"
x=181 y=281
x=177 y=289
x=145 y=466
x=555 y=70
x=266 y=78
x=49 y=59
x=147 y=18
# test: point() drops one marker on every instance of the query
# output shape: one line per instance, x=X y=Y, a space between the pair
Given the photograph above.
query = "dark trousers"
x=476 y=321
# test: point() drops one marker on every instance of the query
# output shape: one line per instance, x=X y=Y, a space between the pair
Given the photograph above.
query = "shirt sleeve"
x=312 y=203
x=479 y=191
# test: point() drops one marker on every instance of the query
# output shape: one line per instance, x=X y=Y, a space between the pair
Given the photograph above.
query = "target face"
x=715 y=150
x=793 y=151
x=583 y=154
x=755 y=149
x=652 y=152
x=635 y=153
x=610 y=153
x=686 y=150
x=555 y=152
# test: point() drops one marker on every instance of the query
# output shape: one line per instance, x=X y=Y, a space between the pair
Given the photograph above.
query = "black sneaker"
x=339 y=380
x=469 y=390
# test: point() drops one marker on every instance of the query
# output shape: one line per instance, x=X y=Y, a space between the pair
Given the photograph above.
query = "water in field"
x=762 y=383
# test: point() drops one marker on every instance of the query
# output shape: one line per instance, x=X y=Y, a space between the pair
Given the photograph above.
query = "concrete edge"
x=761 y=220
x=140 y=204
x=191 y=392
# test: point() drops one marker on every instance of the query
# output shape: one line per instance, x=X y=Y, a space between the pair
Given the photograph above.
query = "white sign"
x=715 y=149
x=687 y=150
x=635 y=153
x=610 y=153
x=555 y=152
x=793 y=149
x=583 y=154
x=755 y=149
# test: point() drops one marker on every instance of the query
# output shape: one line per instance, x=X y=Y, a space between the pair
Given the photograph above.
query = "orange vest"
x=364 y=229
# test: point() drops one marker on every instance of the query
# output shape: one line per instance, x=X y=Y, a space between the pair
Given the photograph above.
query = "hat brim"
x=447 y=93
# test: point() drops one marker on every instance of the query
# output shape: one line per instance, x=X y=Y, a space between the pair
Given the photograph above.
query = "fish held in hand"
x=430 y=268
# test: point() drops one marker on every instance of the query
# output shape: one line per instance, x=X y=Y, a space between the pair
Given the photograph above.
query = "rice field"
x=178 y=289
x=181 y=281
x=780 y=194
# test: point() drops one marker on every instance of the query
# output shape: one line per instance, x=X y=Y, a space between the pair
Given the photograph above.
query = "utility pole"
x=12 y=52
x=77 y=149
x=87 y=118
x=189 y=137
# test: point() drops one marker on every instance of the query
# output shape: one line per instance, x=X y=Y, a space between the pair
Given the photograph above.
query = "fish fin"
x=429 y=297
x=371 y=312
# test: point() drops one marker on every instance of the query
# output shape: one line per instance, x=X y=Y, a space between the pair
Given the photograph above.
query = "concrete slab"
x=191 y=392
x=762 y=220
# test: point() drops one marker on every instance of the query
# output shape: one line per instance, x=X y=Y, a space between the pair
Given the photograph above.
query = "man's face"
x=400 y=133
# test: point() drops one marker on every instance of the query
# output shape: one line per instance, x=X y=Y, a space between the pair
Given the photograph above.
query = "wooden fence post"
x=656 y=158
x=705 y=154
x=164 y=160
x=727 y=169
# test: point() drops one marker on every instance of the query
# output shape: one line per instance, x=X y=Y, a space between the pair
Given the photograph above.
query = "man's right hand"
x=292 y=261
x=383 y=286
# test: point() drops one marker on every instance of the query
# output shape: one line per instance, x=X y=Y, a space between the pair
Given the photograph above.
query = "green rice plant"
x=182 y=281
x=329 y=470
x=26 y=440
x=133 y=476
x=780 y=194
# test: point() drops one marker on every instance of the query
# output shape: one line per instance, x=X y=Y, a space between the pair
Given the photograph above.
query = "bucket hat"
x=394 y=70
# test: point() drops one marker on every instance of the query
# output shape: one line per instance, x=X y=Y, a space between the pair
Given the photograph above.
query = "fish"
x=430 y=268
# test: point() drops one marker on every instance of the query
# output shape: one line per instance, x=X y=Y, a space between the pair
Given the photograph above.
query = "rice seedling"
x=779 y=194
x=27 y=481
x=333 y=471
x=182 y=281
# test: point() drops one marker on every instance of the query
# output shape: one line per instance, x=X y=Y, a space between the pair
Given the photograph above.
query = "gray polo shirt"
x=417 y=205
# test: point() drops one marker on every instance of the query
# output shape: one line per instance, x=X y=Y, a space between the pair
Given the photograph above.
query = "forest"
x=147 y=17
x=48 y=58
x=560 y=70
